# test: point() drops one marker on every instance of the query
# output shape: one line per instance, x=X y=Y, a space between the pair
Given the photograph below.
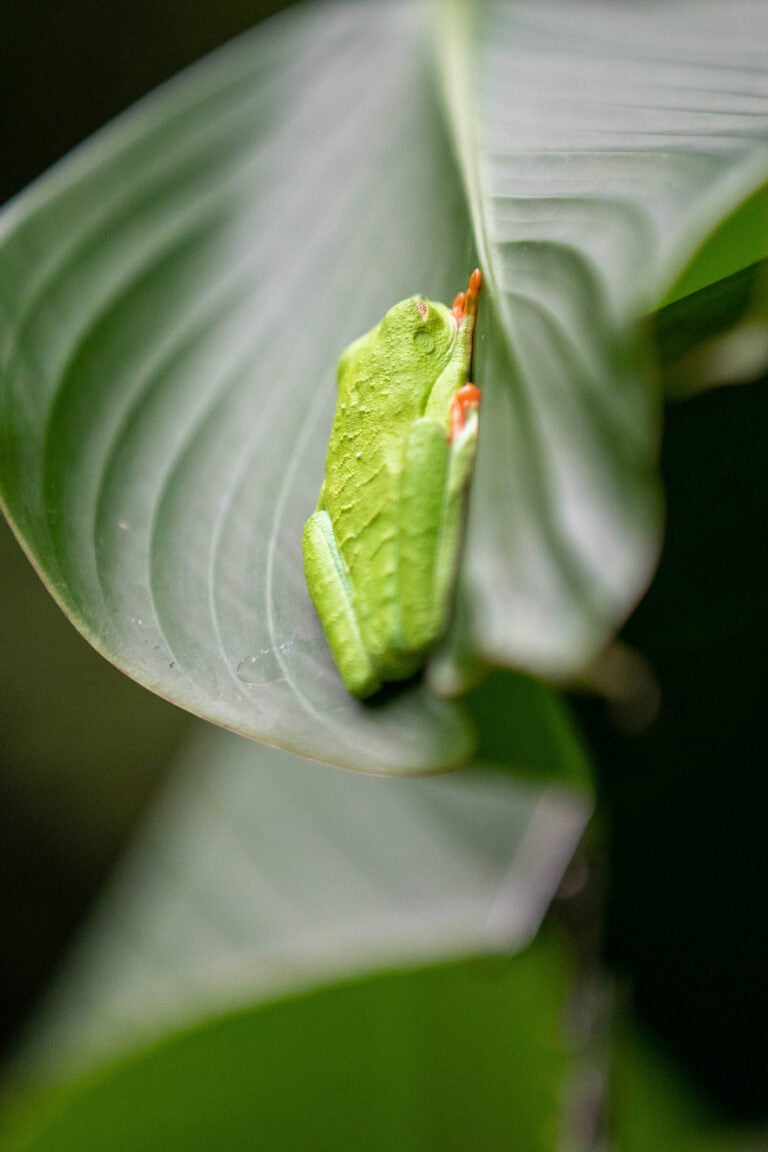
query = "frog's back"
x=382 y=391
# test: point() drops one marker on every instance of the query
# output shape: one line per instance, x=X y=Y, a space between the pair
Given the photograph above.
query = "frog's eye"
x=423 y=341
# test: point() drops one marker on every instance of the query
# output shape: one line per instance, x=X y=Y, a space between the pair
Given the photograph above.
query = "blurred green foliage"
x=462 y=1057
x=686 y=796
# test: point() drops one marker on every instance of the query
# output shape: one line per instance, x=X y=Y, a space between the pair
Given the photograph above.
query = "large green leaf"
x=467 y=1057
x=257 y=872
x=173 y=300
x=601 y=144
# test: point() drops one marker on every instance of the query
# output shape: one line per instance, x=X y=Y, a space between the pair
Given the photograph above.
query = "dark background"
x=688 y=797
x=69 y=66
x=81 y=747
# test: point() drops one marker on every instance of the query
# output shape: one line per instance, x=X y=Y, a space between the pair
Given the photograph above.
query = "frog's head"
x=427 y=331
x=421 y=333
x=418 y=337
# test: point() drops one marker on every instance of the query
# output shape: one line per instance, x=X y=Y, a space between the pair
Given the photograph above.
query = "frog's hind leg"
x=332 y=596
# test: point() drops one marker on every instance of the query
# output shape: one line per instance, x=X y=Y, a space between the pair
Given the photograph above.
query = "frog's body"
x=380 y=550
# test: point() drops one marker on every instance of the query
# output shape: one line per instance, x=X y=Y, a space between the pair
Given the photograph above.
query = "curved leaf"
x=259 y=873
x=601 y=145
x=173 y=300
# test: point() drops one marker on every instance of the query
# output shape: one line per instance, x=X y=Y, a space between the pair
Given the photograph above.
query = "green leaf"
x=601 y=144
x=173 y=300
x=468 y=1056
x=525 y=728
x=738 y=242
x=258 y=872
x=717 y=335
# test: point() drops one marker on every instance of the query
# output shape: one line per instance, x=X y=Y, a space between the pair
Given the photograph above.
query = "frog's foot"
x=467 y=397
x=331 y=594
x=465 y=303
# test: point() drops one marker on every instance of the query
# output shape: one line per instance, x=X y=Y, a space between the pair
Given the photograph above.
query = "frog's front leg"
x=435 y=476
x=422 y=506
x=331 y=594
x=463 y=444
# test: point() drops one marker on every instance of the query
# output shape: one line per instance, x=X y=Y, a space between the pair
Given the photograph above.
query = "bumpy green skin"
x=380 y=551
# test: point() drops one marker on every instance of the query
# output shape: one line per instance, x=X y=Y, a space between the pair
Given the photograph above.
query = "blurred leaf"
x=601 y=146
x=173 y=300
x=740 y=240
x=705 y=314
x=526 y=728
x=716 y=336
x=259 y=872
x=462 y=1057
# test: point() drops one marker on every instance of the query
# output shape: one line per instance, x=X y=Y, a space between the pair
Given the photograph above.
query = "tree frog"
x=381 y=548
